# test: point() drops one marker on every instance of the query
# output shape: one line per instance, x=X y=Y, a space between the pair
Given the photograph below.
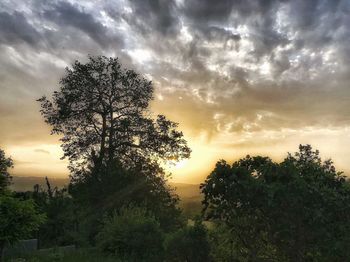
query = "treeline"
x=118 y=200
x=259 y=210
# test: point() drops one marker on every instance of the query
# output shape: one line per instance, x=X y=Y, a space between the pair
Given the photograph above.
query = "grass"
x=79 y=255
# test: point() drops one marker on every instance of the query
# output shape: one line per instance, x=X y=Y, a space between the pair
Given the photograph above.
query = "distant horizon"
x=67 y=178
x=187 y=179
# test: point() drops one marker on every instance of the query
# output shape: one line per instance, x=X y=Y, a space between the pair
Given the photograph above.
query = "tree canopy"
x=102 y=111
x=296 y=210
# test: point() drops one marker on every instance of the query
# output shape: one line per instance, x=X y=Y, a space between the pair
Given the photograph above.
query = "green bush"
x=132 y=234
x=188 y=244
x=18 y=219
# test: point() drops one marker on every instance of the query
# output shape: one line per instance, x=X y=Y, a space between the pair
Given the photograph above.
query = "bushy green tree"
x=296 y=210
x=132 y=234
x=188 y=244
x=5 y=164
x=18 y=219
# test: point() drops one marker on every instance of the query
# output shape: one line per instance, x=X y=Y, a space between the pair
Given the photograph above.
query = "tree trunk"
x=101 y=154
x=111 y=136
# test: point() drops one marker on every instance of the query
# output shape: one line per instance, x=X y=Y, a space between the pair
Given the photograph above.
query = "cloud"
x=15 y=29
x=154 y=16
x=66 y=14
x=203 y=11
x=43 y=151
x=236 y=68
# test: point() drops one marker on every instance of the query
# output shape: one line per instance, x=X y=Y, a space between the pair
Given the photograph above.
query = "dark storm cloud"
x=217 y=34
x=66 y=14
x=154 y=15
x=205 y=10
x=14 y=29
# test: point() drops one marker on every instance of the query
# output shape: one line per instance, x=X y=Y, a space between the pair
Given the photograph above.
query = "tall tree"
x=102 y=112
x=5 y=164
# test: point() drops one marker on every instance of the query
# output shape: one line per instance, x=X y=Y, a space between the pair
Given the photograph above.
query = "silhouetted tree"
x=102 y=111
x=297 y=210
x=5 y=164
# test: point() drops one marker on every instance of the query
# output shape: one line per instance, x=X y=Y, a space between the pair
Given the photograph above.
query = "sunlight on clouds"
x=140 y=55
x=265 y=68
x=185 y=34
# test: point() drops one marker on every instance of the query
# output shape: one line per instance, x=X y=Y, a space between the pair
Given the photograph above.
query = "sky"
x=240 y=77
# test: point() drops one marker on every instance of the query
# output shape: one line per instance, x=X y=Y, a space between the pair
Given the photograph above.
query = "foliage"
x=18 y=219
x=5 y=164
x=102 y=112
x=132 y=234
x=223 y=244
x=296 y=210
x=188 y=244
x=60 y=225
x=111 y=189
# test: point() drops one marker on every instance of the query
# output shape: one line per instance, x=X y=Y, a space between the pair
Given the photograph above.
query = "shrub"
x=188 y=244
x=132 y=234
x=18 y=219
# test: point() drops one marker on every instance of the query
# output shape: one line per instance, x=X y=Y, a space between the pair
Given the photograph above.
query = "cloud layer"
x=231 y=70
